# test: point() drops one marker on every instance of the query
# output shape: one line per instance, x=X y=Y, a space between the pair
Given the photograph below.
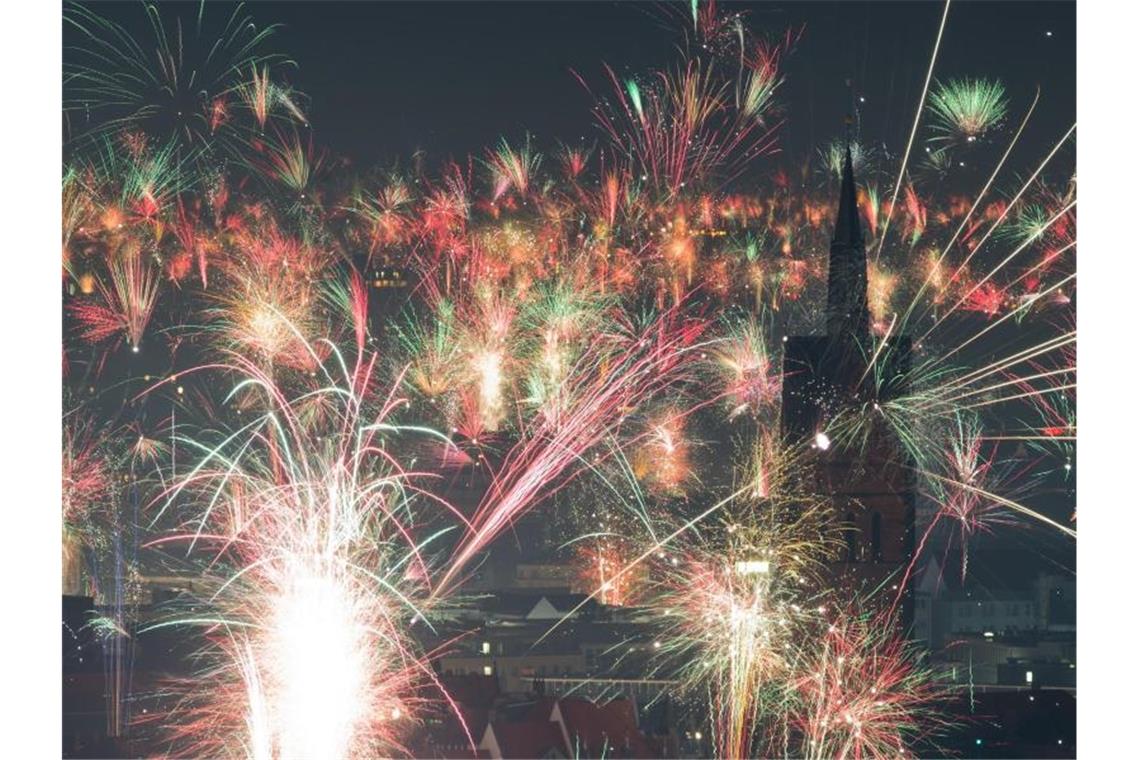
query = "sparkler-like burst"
x=682 y=127
x=863 y=692
x=963 y=491
x=293 y=164
x=512 y=169
x=736 y=606
x=88 y=473
x=663 y=460
x=745 y=365
x=123 y=308
x=561 y=317
x=964 y=110
x=833 y=154
x=434 y=348
x=176 y=85
x=310 y=630
x=574 y=330
x=272 y=317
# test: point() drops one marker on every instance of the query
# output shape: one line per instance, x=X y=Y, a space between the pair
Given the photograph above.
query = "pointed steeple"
x=848 y=230
x=847 y=315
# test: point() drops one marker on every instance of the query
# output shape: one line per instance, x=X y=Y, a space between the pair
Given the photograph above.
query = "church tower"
x=869 y=481
x=847 y=315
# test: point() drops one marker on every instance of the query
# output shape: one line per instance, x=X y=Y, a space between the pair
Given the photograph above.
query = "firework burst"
x=309 y=632
x=964 y=110
x=863 y=692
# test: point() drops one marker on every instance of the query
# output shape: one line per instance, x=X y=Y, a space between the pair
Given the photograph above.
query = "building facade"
x=865 y=473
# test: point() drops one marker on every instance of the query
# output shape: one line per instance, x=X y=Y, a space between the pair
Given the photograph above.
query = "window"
x=850 y=536
x=877 y=537
x=487 y=670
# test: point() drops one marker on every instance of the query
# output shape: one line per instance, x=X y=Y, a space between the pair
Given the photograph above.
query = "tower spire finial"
x=849 y=118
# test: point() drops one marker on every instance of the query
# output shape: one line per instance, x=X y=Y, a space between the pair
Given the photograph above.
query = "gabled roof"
x=536 y=605
x=530 y=739
x=608 y=729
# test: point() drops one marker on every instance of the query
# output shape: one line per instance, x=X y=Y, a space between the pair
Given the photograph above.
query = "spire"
x=848 y=230
x=847 y=268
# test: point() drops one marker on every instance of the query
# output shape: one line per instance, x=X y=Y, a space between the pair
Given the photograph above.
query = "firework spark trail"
x=1004 y=363
x=864 y=695
x=977 y=202
x=1029 y=303
x=312 y=535
x=324 y=560
x=998 y=268
x=1021 y=380
x=733 y=610
x=913 y=129
x=611 y=378
x=351 y=299
x=127 y=305
x=1013 y=202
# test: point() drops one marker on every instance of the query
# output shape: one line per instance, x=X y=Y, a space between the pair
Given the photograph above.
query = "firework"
x=863 y=693
x=832 y=156
x=964 y=110
x=582 y=325
x=434 y=350
x=663 y=460
x=682 y=128
x=172 y=86
x=621 y=372
x=263 y=98
x=310 y=641
x=560 y=316
x=292 y=164
x=745 y=366
x=124 y=308
x=512 y=169
x=272 y=316
x=733 y=611
x=966 y=506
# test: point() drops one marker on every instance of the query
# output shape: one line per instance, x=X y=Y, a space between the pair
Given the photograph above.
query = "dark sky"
x=452 y=77
x=386 y=78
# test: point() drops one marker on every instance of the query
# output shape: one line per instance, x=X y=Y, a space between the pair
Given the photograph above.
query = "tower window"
x=849 y=533
x=877 y=537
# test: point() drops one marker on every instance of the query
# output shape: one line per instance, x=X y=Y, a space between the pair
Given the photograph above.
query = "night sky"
x=387 y=79
x=450 y=78
x=459 y=296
